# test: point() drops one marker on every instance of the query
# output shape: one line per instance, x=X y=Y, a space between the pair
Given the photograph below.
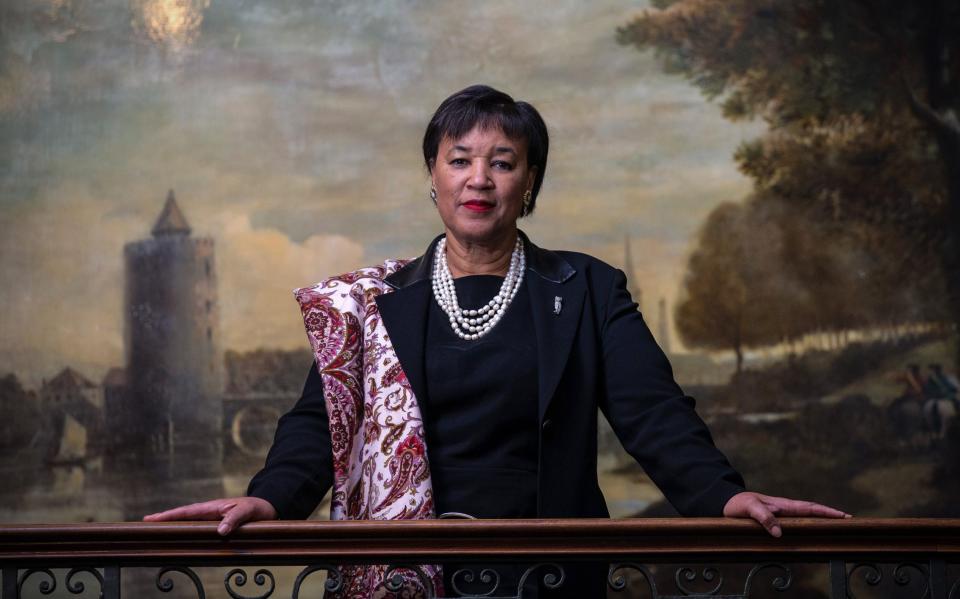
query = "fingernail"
x=223 y=529
x=775 y=531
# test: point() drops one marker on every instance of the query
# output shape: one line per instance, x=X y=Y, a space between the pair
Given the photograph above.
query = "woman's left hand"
x=765 y=509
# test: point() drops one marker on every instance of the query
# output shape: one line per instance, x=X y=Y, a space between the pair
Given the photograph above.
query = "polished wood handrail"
x=665 y=539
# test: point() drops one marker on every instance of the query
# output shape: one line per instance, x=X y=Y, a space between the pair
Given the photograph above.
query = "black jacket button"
x=547 y=424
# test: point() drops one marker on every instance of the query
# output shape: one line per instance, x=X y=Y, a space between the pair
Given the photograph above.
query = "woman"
x=494 y=354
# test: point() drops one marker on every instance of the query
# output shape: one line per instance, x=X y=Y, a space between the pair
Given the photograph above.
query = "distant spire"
x=171 y=220
x=632 y=285
x=664 y=327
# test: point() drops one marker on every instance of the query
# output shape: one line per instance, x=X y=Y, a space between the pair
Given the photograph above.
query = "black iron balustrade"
x=656 y=558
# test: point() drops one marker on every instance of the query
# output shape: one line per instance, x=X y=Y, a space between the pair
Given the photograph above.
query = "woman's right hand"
x=232 y=511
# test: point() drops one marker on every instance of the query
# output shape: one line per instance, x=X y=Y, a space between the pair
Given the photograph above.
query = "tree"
x=861 y=98
x=732 y=292
x=765 y=273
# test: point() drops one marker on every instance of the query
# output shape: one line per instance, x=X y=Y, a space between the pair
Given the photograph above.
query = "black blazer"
x=597 y=352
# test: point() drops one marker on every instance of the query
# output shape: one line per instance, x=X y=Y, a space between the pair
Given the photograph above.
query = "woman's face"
x=480 y=181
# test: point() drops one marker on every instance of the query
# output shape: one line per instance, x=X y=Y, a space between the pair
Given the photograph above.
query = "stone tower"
x=171 y=424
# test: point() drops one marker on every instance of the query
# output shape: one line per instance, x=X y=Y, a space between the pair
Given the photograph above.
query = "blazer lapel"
x=555 y=321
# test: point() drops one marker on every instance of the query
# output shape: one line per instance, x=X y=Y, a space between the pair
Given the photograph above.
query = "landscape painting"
x=780 y=181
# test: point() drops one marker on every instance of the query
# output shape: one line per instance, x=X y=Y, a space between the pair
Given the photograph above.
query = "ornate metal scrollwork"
x=550 y=579
x=488 y=576
x=166 y=585
x=394 y=581
x=619 y=583
x=690 y=575
x=873 y=577
x=780 y=583
x=686 y=574
x=239 y=577
x=953 y=590
x=45 y=587
x=333 y=583
x=901 y=576
x=78 y=587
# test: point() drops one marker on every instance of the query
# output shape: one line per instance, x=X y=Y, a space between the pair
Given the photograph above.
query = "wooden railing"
x=647 y=557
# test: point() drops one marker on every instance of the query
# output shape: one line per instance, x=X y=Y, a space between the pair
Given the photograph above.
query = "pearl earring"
x=433 y=194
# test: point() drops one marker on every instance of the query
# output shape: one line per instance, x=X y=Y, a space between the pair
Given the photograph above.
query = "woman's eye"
x=458 y=162
x=500 y=164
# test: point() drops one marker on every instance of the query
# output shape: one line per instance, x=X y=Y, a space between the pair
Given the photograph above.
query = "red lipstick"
x=478 y=206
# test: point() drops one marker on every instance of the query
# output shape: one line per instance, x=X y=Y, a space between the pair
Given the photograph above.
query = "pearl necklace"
x=473 y=324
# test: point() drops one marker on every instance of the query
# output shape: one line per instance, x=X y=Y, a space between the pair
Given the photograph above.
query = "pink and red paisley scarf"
x=380 y=469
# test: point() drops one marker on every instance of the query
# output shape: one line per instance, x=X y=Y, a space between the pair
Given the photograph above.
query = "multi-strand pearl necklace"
x=473 y=324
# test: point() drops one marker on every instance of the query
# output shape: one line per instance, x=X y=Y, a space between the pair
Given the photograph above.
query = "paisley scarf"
x=380 y=468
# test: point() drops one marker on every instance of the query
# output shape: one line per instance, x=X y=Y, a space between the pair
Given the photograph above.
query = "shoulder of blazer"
x=548 y=264
x=589 y=265
x=592 y=273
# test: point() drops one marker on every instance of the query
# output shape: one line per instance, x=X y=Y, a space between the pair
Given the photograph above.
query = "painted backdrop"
x=171 y=169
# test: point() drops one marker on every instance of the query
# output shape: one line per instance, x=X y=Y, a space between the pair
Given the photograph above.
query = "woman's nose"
x=479 y=175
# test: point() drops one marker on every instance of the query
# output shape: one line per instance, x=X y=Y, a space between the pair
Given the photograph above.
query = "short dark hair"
x=482 y=105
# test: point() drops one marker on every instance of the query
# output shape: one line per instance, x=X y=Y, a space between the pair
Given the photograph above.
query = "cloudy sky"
x=290 y=131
